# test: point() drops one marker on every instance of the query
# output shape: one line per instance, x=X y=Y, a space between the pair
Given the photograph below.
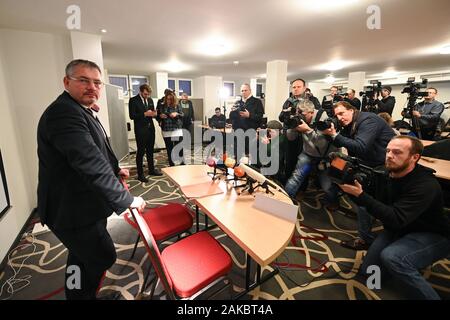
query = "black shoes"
x=355 y=244
x=142 y=179
x=155 y=173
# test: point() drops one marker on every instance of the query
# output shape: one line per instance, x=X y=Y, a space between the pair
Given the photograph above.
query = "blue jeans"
x=401 y=257
x=305 y=165
x=365 y=221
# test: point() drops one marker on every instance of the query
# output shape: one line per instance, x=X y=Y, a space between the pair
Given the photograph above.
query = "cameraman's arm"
x=362 y=141
x=404 y=210
x=387 y=106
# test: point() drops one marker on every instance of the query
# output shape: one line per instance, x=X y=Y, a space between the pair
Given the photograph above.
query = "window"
x=230 y=87
x=121 y=81
x=184 y=87
x=259 y=88
x=136 y=82
x=171 y=84
x=181 y=86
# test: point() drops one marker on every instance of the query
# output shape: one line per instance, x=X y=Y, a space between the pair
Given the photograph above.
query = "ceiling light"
x=214 y=46
x=390 y=74
x=445 y=50
x=174 y=66
x=103 y=31
x=334 y=65
x=236 y=62
x=330 y=79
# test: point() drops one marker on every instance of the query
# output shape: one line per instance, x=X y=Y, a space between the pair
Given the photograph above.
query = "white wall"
x=31 y=73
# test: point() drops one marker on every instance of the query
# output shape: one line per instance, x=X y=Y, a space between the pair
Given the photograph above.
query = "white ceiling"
x=143 y=34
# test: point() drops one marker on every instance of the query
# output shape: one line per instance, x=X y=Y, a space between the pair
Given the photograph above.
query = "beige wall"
x=31 y=73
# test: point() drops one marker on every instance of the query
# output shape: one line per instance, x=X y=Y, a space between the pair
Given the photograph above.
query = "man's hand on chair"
x=138 y=203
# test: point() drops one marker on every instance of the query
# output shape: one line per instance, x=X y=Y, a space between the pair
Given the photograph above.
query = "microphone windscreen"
x=211 y=162
x=230 y=162
x=244 y=160
x=239 y=172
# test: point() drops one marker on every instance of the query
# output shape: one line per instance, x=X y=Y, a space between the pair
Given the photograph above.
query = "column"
x=277 y=88
x=356 y=81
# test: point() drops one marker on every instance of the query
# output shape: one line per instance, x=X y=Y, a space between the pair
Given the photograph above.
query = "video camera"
x=239 y=106
x=345 y=170
x=371 y=91
x=413 y=88
x=326 y=124
x=294 y=120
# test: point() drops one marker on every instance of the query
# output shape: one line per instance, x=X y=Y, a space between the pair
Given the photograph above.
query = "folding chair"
x=166 y=222
x=189 y=268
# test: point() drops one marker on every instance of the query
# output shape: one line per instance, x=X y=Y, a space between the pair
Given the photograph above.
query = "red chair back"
x=153 y=253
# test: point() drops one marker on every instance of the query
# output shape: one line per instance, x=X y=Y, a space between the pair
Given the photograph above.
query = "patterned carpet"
x=313 y=266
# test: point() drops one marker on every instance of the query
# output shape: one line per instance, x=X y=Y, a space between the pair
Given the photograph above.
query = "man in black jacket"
x=387 y=102
x=79 y=184
x=188 y=111
x=416 y=230
x=352 y=99
x=250 y=114
x=142 y=111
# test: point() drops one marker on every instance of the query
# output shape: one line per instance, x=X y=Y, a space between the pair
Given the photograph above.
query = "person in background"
x=388 y=119
x=217 y=121
x=329 y=100
x=170 y=117
x=79 y=184
x=188 y=111
x=352 y=99
x=142 y=111
x=387 y=102
x=312 y=98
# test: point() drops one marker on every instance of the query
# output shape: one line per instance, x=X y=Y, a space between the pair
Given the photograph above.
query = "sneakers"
x=355 y=244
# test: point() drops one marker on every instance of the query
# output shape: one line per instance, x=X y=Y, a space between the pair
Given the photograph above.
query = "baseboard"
x=17 y=240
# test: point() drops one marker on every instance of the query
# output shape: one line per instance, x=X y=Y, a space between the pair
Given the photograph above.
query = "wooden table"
x=427 y=142
x=261 y=235
x=442 y=167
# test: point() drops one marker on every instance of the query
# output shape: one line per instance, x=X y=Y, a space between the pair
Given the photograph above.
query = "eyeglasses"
x=86 y=81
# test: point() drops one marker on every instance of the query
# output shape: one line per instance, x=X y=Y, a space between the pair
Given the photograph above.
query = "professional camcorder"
x=345 y=170
x=294 y=121
x=239 y=106
x=413 y=88
x=326 y=124
x=371 y=91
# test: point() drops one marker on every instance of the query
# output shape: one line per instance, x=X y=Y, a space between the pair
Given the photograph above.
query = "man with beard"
x=416 y=230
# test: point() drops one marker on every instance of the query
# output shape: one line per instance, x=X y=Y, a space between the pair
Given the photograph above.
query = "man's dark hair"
x=80 y=62
x=145 y=86
x=299 y=79
x=416 y=144
x=217 y=109
x=352 y=90
x=435 y=90
x=344 y=104
x=337 y=88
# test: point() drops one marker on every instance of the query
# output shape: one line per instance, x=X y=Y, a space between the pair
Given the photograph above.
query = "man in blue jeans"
x=316 y=148
x=416 y=230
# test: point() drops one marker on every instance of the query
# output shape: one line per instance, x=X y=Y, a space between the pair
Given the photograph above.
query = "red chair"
x=188 y=268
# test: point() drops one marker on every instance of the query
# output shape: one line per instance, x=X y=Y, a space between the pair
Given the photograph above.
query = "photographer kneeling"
x=365 y=136
x=416 y=230
x=316 y=148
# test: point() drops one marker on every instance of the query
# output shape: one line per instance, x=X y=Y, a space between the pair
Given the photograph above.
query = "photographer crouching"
x=416 y=230
x=365 y=136
x=316 y=148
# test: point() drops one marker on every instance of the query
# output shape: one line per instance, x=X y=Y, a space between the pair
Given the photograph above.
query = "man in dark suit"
x=250 y=114
x=79 y=184
x=142 y=111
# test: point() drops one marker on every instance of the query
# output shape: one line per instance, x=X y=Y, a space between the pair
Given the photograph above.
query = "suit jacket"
x=136 y=109
x=256 y=110
x=78 y=183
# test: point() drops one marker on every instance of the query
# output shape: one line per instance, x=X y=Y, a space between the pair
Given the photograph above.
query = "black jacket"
x=386 y=105
x=188 y=114
x=414 y=204
x=256 y=110
x=366 y=138
x=136 y=109
x=78 y=182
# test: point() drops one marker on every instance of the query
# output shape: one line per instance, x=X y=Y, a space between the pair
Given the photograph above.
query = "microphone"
x=230 y=162
x=258 y=177
x=211 y=162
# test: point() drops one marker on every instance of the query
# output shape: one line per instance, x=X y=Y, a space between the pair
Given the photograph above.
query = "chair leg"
x=135 y=247
x=154 y=282
x=144 y=285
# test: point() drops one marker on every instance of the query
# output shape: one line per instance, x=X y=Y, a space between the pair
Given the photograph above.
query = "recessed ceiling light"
x=174 y=66
x=330 y=79
x=390 y=74
x=334 y=65
x=214 y=46
x=103 y=31
x=235 y=62
x=445 y=50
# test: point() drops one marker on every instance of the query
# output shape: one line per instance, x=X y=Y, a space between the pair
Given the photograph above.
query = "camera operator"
x=416 y=230
x=387 y=102
x=364 y=134
x=329 y=100
x=428 y=112
x=351 y=98
x=312 y=98
x=293 y=146
x=316 y=148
